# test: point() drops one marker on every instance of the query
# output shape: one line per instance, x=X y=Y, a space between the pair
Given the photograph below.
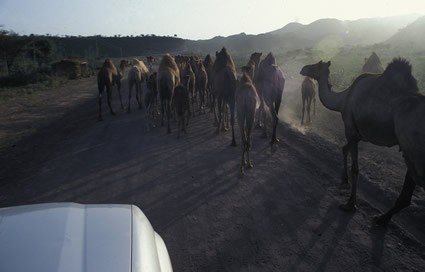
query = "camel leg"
x=232 y=121
x=168 y=117
x=248 y=138
x=243 y=145
x=215 y=110
x=162 y=112
x=275 y=112
x=350 y=206
x=402 y=202
x=130 y=86
x=219 y=109
x=344 y=174
x=100 y=106
x=308 y=110
x=119 y=93
x=302 y=117
x=109 y=94
x=260 y=114
x=179 y=122
x=137 y=95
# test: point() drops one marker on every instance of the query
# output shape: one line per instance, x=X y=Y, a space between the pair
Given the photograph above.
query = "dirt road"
x=281 y=216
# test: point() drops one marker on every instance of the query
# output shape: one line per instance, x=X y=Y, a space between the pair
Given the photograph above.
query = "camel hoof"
x=233 y=143
x=113 y=113
x=348 y=207
x=381 y=220
x=250 y=165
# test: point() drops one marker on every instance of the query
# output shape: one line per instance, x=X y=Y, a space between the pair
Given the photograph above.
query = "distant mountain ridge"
x=295 y=35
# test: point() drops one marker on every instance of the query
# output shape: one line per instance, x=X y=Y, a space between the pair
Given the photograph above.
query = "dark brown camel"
x=107 y=77
x=270 y=83
x=182 y=106
x=308 y=95
x=136 y=75
x=224 y=87
x=168 y=79
x=151 y=99
x=384 y=110
x=247 y=102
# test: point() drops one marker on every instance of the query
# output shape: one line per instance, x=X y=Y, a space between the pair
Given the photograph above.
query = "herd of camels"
x=383 y=108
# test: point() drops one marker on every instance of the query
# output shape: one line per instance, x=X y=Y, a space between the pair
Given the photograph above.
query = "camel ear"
x=329 y=63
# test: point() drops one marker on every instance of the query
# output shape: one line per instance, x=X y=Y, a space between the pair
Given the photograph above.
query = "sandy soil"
x=281 y=216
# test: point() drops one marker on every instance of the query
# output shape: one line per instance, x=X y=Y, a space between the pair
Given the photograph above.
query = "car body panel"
x=75 y=237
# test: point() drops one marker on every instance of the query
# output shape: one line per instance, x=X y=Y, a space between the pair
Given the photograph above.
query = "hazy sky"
x=191 y=19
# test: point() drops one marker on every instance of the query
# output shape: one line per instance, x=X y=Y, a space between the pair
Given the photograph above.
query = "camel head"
x=256 y=57
x=314 y=70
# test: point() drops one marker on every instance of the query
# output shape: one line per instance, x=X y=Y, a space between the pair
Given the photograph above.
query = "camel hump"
x=399 y=74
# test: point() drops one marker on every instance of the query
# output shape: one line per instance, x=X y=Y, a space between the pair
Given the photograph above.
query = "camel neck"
x=329 y=98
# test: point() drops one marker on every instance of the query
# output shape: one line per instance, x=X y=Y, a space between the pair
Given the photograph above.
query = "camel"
x=308 y=95
x=372 y=65
x=249 y=69
x=247 y=102
x=255 y=58
x=168 y=79
x=208 y=65
x=201 y=82
x=224 y=87
x=107 y=77
x=136 y=75
x=270 y=83
x=188 y=80
x=151 y=60
x=383 y=110
x=151 y=98
x=182 y=105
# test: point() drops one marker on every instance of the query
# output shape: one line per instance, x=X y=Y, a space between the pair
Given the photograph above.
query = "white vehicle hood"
x=72 y=237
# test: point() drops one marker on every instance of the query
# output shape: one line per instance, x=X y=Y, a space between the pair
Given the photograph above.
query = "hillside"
x=412 y=35
x=332 y=32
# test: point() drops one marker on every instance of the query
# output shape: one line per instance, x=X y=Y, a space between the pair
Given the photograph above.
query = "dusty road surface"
x=281 y=216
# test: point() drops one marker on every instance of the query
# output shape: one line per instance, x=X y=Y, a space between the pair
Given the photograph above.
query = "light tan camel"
x=107 y=77
x=385 y=110
x=137 y=74
x=308 y=95
x=224 y=87
x=247 y=102
x=168 y=79
x=270 y=83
